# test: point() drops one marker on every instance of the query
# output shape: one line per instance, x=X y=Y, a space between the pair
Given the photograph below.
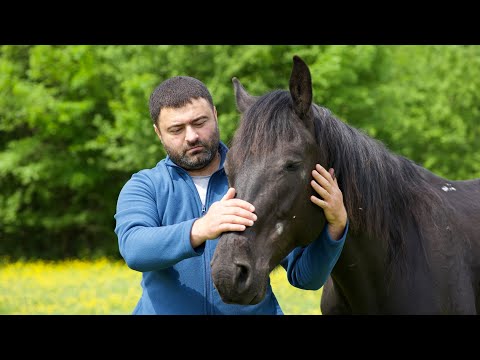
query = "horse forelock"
x=269 y=123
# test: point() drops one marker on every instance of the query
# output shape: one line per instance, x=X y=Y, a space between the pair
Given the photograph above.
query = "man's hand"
x=326 y=185
x=228 y=214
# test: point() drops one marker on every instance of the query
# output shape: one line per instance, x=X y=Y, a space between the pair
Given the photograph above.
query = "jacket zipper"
x=209 y=298
x=209 y=309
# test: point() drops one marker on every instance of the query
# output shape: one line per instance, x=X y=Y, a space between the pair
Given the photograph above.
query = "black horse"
x=414 y=240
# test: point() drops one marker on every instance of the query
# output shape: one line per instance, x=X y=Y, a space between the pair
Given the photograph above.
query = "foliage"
x=75 y=124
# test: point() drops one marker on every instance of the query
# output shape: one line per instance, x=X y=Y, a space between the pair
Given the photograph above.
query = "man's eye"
x=199 y=123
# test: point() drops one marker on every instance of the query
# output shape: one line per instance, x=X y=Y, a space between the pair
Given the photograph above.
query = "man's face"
x=189 y=134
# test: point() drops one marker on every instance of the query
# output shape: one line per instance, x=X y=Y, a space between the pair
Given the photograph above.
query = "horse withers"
x=414 y=241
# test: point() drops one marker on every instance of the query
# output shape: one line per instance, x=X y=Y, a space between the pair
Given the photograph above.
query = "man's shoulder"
x=147 y=182
x=152 y=175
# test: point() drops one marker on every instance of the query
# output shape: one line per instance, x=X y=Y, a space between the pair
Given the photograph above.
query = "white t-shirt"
x=201 y=183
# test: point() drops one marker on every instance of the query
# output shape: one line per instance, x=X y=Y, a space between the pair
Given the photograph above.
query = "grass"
x=104 y=287
x=294 y=301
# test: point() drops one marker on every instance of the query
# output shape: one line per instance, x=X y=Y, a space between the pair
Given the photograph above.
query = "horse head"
x=270 y=161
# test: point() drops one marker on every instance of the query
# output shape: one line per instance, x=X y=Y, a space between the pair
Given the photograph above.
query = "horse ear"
x=243 y=99
x=301 y=87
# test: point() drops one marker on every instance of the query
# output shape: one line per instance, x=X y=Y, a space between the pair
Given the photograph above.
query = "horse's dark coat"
x=414 y=240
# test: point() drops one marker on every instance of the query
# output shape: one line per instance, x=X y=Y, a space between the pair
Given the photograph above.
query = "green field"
x=104 y=287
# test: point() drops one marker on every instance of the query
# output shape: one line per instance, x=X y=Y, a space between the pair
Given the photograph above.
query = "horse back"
x=462 y=205
x=460 y=233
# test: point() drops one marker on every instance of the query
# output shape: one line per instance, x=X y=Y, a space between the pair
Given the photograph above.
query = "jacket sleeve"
x=143 y=243
x=309 y=267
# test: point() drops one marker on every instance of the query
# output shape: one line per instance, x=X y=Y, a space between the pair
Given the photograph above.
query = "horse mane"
x=384 y=193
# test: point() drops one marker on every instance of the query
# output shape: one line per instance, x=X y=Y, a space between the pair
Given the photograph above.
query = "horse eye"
x=292 y=166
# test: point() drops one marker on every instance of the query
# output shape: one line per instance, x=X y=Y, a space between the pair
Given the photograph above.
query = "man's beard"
x=200 y=159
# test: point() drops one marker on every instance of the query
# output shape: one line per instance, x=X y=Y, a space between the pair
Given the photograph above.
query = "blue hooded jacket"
x=156 y=209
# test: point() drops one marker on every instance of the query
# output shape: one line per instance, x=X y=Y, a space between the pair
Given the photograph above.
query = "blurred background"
x=75 y=125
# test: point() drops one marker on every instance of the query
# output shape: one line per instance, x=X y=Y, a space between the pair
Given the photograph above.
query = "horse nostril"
x=242 y=274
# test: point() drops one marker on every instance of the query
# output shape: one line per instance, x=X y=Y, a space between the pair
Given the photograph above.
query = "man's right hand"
x=228 y=214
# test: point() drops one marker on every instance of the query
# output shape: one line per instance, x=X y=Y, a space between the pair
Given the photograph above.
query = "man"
x=169 y=217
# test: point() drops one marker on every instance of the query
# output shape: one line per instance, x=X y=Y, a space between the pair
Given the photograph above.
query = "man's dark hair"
x=177 y=92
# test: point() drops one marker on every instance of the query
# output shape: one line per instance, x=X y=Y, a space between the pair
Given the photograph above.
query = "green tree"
x=75 y=124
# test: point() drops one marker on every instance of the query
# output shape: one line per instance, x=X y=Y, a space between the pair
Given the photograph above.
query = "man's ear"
x=215 y=113
x=157 y=131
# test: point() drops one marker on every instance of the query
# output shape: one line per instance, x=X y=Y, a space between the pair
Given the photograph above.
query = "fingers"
x=318 y=202
x=320 y=190
x=322 y=177
x=236 y=212
x=230 y=194
x=331 y=171
x=235 y=220
x=328 y=175
x=229 y=200
x=230 y=214
x=238 y=203
x=231 y=227
x=325 y=184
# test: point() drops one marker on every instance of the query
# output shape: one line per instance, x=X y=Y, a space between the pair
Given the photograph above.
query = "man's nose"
x=191 y=135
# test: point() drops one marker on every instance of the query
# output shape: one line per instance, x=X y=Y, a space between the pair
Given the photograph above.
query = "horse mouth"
x=256 y=299
x=253 y=300
x=231 y=293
